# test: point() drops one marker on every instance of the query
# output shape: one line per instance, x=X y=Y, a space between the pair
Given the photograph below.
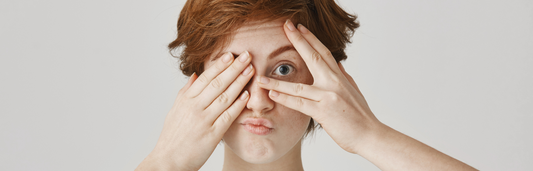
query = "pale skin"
x=208 y=105
x=279 y=150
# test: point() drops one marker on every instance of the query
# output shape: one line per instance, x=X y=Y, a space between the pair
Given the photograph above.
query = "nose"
x=259 y=102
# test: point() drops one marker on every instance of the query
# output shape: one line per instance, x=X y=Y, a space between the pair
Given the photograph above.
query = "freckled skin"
x=283 y=144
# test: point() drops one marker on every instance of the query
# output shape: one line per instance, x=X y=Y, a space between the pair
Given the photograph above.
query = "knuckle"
x=298 y=88
x=316 y=56
x=334 y=82
x=225 y=117
x=220 y=66
x=299 y=102
x=333 y=97
x=328 y=54
x=223 y=98
x=242 y=81
x=202 y=78
x=337 y=81
x=216 y=83
x=235 y=67
x=299 y=37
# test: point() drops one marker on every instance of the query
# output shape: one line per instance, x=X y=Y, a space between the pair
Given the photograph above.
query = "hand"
x=203 y=111
x=334 y=100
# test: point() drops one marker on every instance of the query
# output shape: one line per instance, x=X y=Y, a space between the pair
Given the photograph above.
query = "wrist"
x=159 y=162
x=152 y=162
x=372 y=137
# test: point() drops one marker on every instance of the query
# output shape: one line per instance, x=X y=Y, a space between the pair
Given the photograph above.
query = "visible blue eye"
x=283 y=70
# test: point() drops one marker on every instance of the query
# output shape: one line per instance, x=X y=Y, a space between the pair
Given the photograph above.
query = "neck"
x=290 y=161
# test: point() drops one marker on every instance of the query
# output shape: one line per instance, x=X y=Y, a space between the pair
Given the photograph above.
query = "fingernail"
x=244 y=57
x=289 y=25
x=302 y=28
x=226 y=57
x=273 y=93
x=244 y=95
x=264 y=80
x=247 y=70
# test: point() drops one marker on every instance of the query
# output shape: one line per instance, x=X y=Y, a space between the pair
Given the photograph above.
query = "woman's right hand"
x=203 y=111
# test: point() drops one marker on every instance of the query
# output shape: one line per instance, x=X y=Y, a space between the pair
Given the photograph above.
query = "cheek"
x=295 y=122
x=304 y=75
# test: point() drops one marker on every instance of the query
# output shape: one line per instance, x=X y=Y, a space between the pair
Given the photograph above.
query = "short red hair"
x=206 y=26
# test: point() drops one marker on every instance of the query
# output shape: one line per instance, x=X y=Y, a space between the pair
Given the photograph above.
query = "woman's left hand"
x=334 y=100
x=336 y=103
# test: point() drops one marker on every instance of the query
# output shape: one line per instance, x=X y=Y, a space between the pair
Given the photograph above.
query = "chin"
x=248 y=139
x=252 y=149
x=258 y=158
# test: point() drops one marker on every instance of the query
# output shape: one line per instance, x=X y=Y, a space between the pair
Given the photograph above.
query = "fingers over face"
x=319 y=47
x=221 y=82
x=208 y=75
x=226 y=98
x=313 y=59
x=293 y=89
x=226 y=118
x=303 y=105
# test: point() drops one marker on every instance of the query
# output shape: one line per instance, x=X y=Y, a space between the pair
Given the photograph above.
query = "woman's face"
x=266 y=131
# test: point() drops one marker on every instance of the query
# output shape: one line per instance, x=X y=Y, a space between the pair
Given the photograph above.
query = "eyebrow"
x=280 y=50
x=274 y=53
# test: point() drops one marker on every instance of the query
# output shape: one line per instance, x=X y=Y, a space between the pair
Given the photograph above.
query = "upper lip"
x=257 y=121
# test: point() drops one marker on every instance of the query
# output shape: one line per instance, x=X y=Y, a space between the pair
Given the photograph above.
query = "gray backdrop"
x=86 y=85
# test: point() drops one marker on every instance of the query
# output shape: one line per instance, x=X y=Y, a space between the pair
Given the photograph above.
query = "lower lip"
x=257 y=129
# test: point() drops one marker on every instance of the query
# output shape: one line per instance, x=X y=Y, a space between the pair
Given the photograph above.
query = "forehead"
x=258 y=38
x=272 y=29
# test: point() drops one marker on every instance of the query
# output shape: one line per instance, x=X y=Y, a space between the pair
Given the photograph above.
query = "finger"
x=306 y=106
x=224 y=100
x=350 y=79
x=223 y=80
x=311 y=57
x=188 y=85
x=347 y=75
x=320 y=48
x=293 y=89
x=225 y=119
x=208 y=75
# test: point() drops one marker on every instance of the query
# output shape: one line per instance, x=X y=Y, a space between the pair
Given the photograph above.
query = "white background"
x=86 y=85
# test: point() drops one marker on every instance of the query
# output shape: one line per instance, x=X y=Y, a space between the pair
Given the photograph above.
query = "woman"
x=260 y=83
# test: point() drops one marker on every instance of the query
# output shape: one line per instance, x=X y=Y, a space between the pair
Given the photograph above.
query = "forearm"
x=152 y=164
x=389 y=149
